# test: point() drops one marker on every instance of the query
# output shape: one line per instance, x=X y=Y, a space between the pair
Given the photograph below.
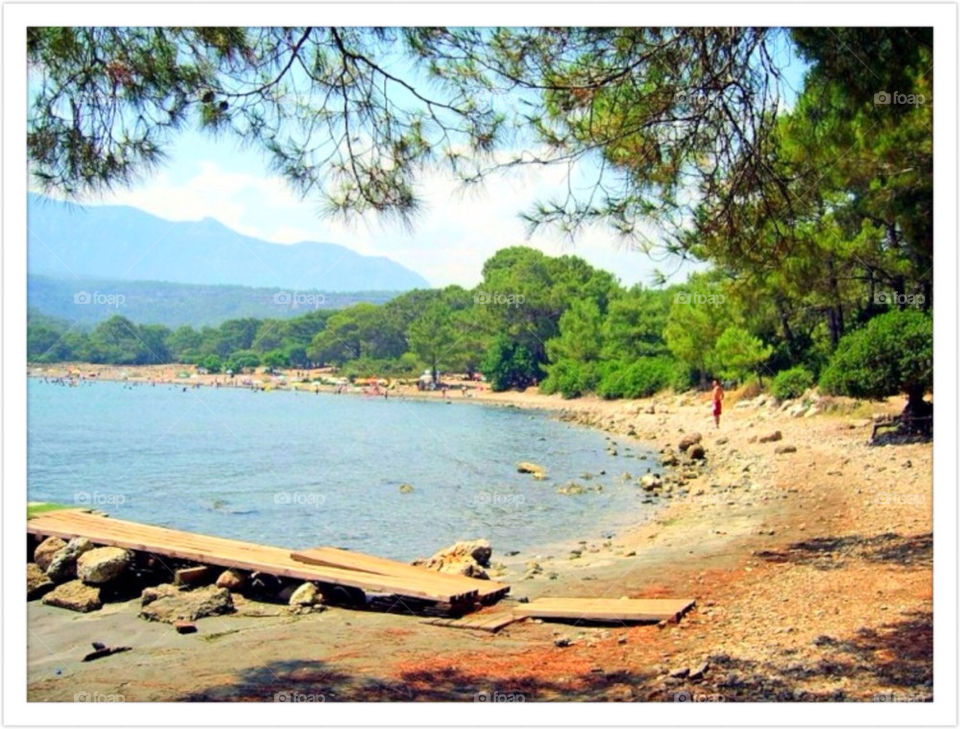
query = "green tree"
x=212 y=363
x=697 y=318
x=431 y=336
x=737 y=353
x=275 y=359
x=509 y=365
x=243 y=360
x=892 y=354
x=184 y=342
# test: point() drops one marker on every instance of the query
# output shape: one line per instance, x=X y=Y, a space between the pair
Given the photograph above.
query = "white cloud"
x=455 y=233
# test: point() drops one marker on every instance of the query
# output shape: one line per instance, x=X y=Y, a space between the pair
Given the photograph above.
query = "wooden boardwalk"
x=589 y=609
x=489 y=591
x=248 y=556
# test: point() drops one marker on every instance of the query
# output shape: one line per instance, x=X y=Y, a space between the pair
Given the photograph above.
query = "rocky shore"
x=808 y=550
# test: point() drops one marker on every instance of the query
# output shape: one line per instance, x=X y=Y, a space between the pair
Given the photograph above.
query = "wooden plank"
x=345 y=559
x=232 y=553
x=603 y=609
x=489 y=622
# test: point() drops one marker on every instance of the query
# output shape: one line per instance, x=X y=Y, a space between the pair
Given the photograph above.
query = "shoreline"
x=755 y=527
x=554 y=409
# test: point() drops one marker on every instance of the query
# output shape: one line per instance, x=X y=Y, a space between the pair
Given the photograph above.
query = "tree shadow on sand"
x=897 y=657
x=826 y=553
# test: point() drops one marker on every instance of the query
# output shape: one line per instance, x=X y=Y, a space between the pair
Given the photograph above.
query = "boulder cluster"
x=82 y=576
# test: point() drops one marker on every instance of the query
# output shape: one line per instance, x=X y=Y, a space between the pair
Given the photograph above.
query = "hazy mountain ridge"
x=87 y=301
x=115 y=242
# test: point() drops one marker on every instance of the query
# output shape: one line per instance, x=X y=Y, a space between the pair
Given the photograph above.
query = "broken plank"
x=489 y=622
x=605 y=609
x=105 y=651
x=345 y=559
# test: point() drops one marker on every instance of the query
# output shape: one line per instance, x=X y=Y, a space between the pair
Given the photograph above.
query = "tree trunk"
x=917 y=416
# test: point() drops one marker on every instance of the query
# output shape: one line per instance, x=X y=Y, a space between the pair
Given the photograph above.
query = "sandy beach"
x=811 y=566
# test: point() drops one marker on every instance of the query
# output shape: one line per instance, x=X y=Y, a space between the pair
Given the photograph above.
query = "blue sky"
x=456 y=232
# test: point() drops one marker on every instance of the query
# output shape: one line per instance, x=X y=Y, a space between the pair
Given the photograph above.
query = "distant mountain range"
x=120 y=243
x=87 y=301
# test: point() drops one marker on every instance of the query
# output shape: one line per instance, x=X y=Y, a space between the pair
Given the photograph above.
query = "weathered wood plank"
x=345 y=559
x=489 y=622
x=232 y=553
x=605 y=609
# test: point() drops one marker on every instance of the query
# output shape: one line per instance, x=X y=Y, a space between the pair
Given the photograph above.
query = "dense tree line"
x=534 y=320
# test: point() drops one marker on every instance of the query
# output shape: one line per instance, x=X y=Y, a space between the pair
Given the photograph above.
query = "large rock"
x=64 y=565
x=167 y=604
x=688 y=440
x=463 y=558
x=697 y=452
x=38 y=584
x=538 y=472
x=232 y=579
x=43 y=554
x=306 y=595
x=771 y=437
x=99 y=566
x=74 y=595
x=651 y=481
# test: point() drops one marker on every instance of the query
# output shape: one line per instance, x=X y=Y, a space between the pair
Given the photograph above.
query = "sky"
x=448 y=242
x=457 y=230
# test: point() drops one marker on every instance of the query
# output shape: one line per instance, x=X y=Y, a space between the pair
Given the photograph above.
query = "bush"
x=642 y=378
x=791 y=383
x=570 y=378
x=211 y=363
x=893 y=353
x=508 y=364
x=275 y=359
x=372 y=367
x=243 y=359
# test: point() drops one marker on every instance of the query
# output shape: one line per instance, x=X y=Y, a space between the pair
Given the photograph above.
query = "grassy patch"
x=36 y=508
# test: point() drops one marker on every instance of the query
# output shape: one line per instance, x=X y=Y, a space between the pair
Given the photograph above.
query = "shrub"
x=570 y=378
x=508 y=364
x=751 y=389
x=791 y=383
x=641 y=378
x=243 y=359
x=893 y=353
x=211 y=363
x=275 y=359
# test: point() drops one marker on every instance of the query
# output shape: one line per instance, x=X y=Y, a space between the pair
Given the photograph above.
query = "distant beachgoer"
x=717 y=402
